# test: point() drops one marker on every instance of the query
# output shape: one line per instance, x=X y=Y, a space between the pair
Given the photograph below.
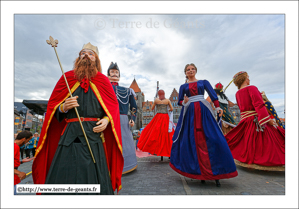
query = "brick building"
x=147 y=112
x=174 y=97
x=139 y=101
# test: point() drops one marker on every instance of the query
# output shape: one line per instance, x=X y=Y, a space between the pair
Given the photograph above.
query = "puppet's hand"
x=271 y=122
x=186 y=99
x=70 y=103
x=131 y=123
x=102 y=125
x=219 y=111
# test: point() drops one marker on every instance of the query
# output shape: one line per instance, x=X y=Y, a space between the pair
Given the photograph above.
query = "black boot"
x=161 y=158
x=218 y=183
x=203 y=181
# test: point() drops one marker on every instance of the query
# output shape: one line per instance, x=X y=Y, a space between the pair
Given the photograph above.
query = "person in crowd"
x=21 y=148
x=29 y=148
x=63 y=155
x=137 y=138
x=21 y=139
x=199 y=149
x=255 y=142
x=35 y=142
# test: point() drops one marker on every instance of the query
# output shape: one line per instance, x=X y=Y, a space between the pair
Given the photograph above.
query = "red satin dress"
x=155 y=137
x=246 y=141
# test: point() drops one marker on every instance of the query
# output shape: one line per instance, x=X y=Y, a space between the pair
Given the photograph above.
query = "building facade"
x=174 y=97
x=18 y=120
x=139 y=101
x=23 y=118
x=147 y=113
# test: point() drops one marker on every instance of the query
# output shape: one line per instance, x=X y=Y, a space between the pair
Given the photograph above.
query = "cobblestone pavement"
x=155 y=177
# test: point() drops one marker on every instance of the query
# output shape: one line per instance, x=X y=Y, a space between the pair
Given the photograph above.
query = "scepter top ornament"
x=52 y=42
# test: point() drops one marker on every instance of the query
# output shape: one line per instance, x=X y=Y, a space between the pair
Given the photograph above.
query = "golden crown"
x=91 y=47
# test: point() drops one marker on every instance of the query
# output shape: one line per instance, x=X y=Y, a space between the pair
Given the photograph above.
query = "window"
x=147 y=107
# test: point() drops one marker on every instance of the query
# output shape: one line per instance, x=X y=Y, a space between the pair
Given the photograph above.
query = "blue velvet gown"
x=199 y=150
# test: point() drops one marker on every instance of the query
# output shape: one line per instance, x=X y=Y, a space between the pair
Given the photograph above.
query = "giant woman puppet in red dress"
x=255 y=142
x=156 y=137
x=62 y=155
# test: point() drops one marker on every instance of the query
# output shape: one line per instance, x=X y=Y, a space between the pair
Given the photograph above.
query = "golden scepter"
x=54 y=43
x=226 y=86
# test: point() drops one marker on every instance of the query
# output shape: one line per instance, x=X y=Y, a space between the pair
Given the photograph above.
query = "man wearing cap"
x=62 y=154
x=126 y=100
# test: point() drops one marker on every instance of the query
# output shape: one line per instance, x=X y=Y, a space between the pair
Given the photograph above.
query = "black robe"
x=72 y=163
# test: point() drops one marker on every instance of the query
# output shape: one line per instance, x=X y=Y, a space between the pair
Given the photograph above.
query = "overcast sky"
x=154 y=48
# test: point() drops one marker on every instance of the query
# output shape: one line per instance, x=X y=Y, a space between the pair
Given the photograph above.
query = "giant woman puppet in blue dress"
x=199 y=149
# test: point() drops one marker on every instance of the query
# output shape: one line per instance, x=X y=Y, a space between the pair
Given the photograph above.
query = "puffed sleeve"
x=211 y=93
x=181 y=95
x=259 y=106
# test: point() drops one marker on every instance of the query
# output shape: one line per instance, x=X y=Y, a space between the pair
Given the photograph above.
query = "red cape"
x=52 y=129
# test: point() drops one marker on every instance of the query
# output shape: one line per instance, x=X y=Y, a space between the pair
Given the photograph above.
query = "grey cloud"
x=220 y=47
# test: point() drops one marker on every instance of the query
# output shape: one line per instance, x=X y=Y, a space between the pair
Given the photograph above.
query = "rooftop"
x=135 y=86
x=150 y=102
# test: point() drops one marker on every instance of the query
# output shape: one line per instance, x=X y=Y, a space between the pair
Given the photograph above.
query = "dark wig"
x=221 y=94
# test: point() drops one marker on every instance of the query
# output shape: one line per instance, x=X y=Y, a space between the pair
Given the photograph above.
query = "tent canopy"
x=38 y=106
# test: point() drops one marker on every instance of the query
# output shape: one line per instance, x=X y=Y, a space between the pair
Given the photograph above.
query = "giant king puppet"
x=62 y=155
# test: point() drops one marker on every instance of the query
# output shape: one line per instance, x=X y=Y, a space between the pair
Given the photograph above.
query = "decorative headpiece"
x=113 y=66
x=219 y=86
x=237 y=74
x=91 y=47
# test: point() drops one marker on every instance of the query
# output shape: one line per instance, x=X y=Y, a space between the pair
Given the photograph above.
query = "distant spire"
x=135 y=86
x=157 y=90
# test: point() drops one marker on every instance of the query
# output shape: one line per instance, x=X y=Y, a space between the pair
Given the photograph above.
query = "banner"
x=17 y=121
